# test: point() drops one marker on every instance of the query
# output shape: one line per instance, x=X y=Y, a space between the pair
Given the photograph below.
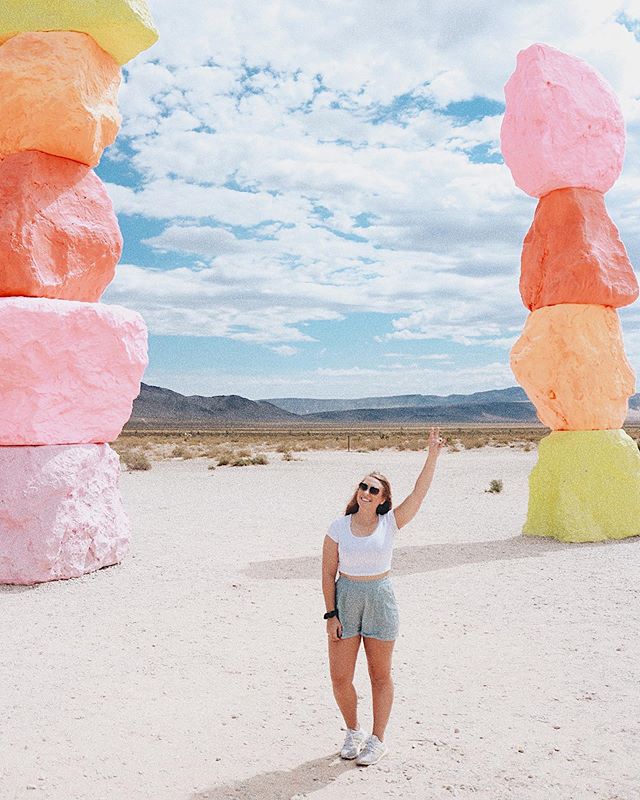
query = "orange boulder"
x=59 y=95
x=59 y=236
x=573 y=254
x=570 y=360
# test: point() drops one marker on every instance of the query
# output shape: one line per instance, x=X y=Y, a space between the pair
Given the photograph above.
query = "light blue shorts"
x=367 y=608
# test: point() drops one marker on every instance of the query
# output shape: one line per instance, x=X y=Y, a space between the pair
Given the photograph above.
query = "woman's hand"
x=436 y=442
x=334 y=629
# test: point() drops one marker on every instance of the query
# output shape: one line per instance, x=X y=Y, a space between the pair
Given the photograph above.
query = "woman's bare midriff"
x=365 y=577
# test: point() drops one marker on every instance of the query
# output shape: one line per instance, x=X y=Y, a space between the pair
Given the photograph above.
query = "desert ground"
x=197 y=669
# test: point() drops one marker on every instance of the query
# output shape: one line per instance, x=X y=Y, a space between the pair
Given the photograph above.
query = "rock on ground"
x=61 y=514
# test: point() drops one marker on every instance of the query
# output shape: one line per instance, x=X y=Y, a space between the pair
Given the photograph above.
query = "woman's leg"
x=379 y=662
x=342 y=665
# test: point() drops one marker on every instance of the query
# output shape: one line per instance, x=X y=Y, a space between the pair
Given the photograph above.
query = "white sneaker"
x=373 y=751
x=353 y=743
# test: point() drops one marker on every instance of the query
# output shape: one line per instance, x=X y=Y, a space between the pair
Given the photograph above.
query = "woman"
x=361 y=603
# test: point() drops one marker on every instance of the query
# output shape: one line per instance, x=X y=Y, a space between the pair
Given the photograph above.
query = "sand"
x=197 y=668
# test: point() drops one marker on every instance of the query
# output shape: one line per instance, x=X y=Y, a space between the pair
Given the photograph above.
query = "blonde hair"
x=383 y=508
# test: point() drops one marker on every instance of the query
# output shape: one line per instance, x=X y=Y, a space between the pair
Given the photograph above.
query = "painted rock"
x=570 y=361
x=121 y=27
x=61 y=513
x=563 y=125
x=573 y=254
x=69 y=371
x=585 y=487
x=59 y=236
x=59 y=95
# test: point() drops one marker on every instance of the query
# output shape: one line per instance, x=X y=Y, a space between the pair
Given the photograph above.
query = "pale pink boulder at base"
x=61 y=514
x=69 y=371
x=570 y=360
x=563 y=125
x=59 y=235
x=59 y=95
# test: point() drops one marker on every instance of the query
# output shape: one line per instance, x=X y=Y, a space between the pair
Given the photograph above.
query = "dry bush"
x=495 y=486
x=180 y=451
x=135 y=459
x=226 y=457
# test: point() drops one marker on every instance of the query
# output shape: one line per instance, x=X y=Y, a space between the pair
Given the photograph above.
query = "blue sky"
x=313 y=199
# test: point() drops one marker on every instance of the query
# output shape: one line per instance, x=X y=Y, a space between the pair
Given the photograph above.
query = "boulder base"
x=59 y=95
x=573 y=254
x=121 y=27
x=570 y=361
x=563 y=125
x=61 y=514
x=59 y=236
x=585 y=487
x=69 y=371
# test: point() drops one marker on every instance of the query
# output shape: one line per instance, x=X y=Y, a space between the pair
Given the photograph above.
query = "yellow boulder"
x=570 y=360
x=123 y=28
x=59 y=95
x=585 y=487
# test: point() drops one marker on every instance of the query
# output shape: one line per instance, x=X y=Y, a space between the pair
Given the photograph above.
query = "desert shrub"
x=528 y=446
x=213 y=451
x=180 y=451
x=240 y=462
x=135 y=459
x=495 y=486
x=260 y=458
x=226 y=457
x=287 y=456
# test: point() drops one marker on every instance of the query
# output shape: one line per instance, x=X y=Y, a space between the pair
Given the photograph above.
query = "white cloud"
x=284 y=350
x=327 y=113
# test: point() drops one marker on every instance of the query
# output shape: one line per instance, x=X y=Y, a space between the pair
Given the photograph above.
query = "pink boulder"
x=69 y=371
x=59 y=236
x=59 y=95
x=573 y=254
x=563 y=125
x=570 y=361
x=61 y=513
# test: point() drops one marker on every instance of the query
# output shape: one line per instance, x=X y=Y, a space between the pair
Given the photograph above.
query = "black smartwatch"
x=330 y=614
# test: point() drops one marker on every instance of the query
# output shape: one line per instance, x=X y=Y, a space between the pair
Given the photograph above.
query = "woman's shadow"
x=282 y=784
x=431 y=557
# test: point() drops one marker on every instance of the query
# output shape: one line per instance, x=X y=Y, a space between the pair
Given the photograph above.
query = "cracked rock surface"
x=69 y=371
x=61 y=514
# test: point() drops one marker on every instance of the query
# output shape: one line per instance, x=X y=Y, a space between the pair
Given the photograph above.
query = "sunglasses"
x=374 y=490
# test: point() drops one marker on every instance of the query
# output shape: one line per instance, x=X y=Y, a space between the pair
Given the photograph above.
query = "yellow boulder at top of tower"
x=123 y=28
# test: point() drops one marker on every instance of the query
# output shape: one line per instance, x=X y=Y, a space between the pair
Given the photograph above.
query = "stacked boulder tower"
x=70 y=366
x=563 y=138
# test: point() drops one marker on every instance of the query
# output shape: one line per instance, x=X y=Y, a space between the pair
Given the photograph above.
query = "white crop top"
x=364 y=555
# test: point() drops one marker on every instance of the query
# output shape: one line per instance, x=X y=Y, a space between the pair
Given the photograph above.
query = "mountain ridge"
x=159 y=407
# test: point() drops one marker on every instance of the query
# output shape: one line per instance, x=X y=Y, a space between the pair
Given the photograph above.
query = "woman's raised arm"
x=409 y=507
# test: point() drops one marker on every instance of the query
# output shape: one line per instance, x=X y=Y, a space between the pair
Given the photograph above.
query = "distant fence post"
x=348 y=443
